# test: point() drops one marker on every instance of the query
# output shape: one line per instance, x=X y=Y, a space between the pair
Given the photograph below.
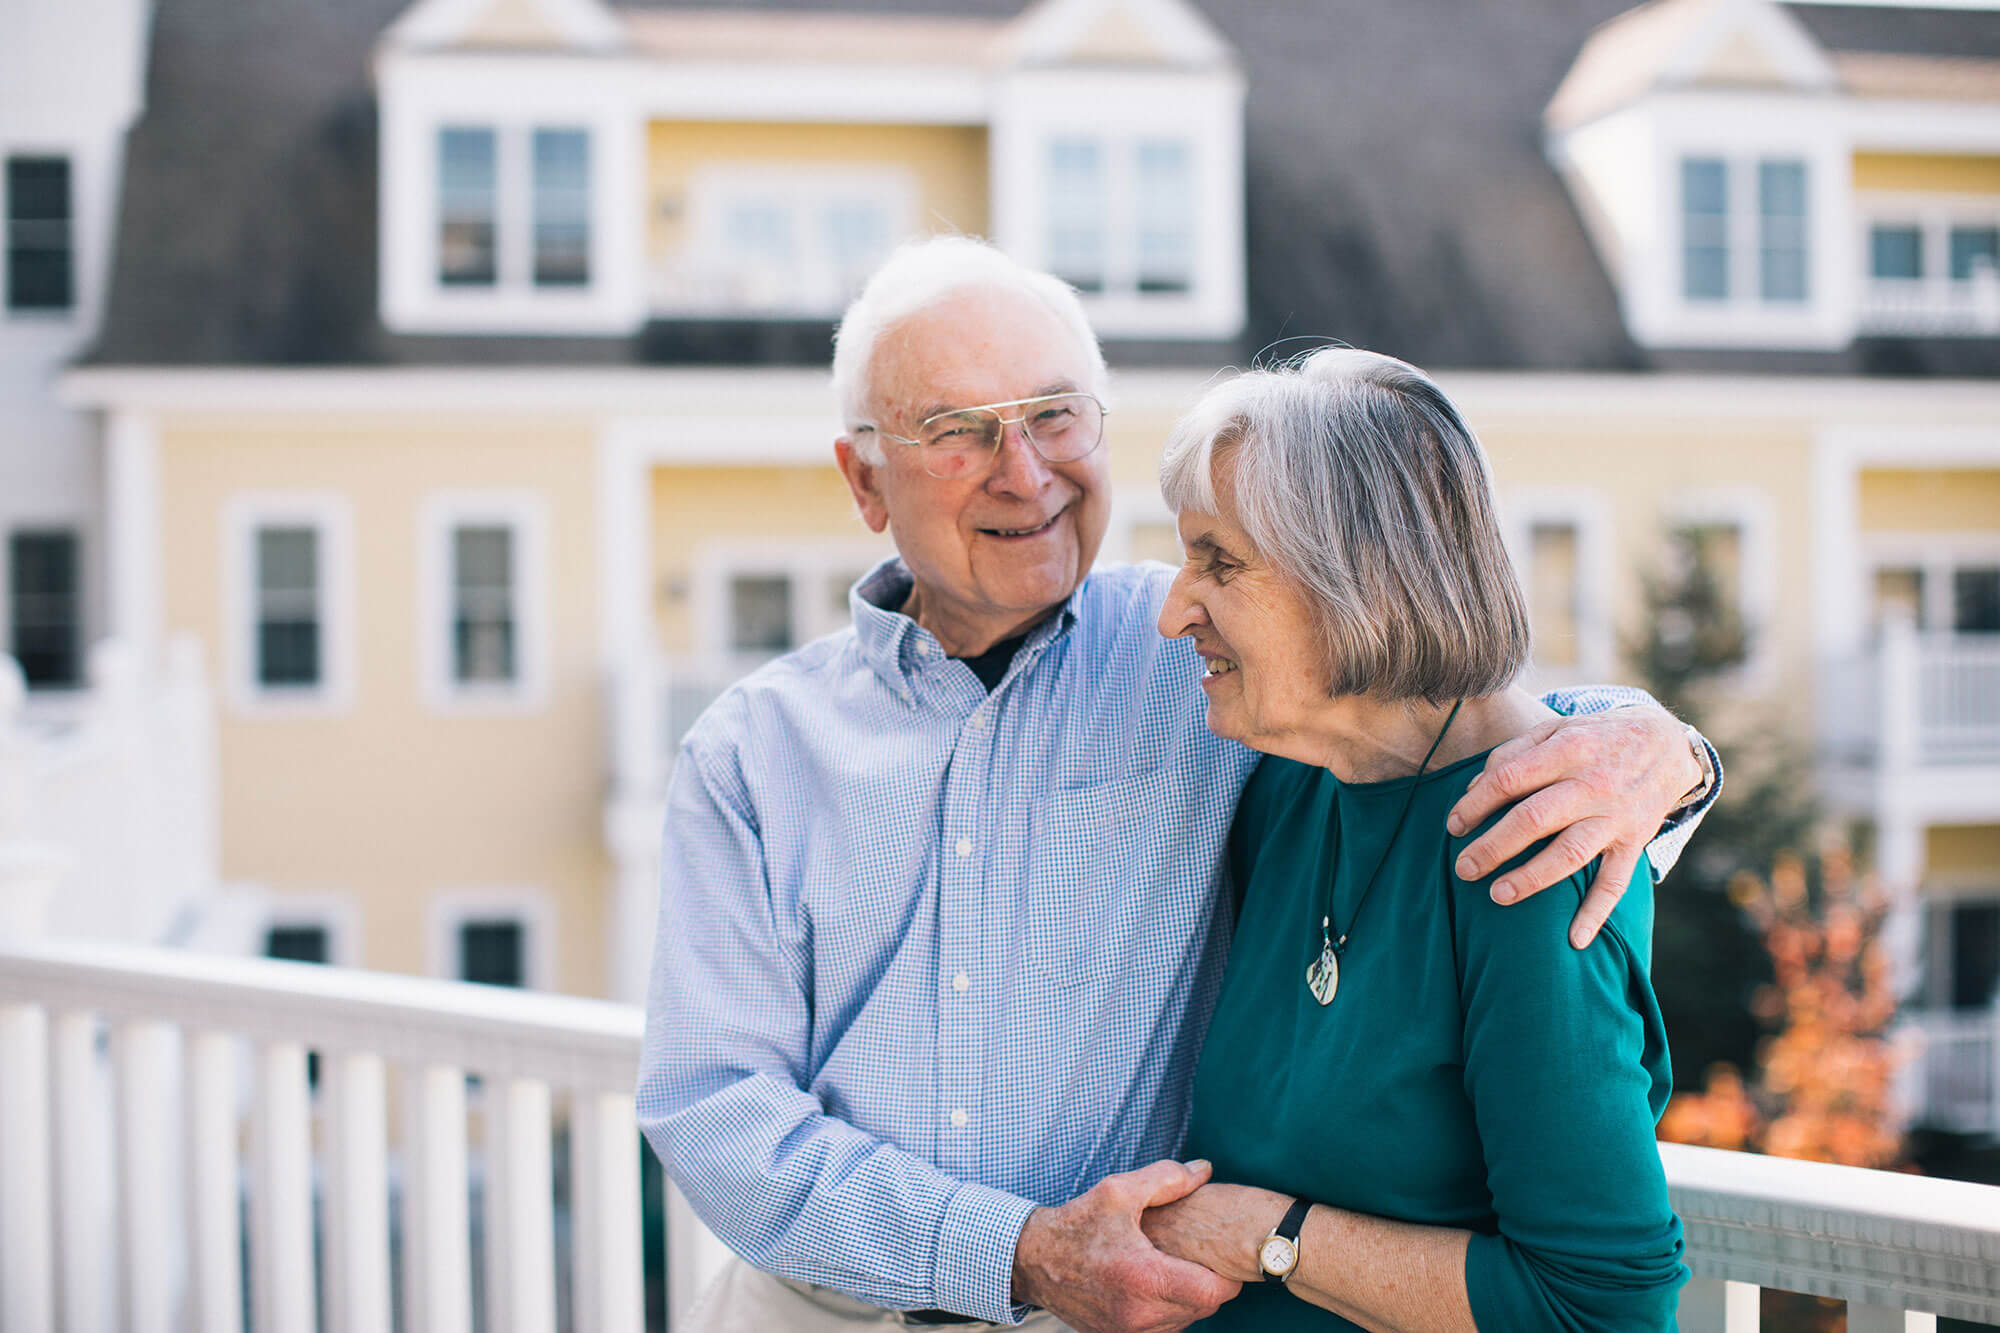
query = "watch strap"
x=1288 y=1229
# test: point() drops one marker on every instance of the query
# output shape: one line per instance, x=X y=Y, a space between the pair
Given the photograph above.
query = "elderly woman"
x=1424 y=1111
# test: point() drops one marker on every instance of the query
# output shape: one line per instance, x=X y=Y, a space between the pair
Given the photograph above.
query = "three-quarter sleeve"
x=1566 y=1067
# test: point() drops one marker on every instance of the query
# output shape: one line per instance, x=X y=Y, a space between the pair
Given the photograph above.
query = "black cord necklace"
x=1323 y=976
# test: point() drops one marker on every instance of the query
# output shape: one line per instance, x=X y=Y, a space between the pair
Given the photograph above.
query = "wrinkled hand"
x=1599 y=784
x=1090 y=1264
x=1218 y=1227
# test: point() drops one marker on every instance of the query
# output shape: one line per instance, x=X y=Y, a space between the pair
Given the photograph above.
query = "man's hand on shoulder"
x=1599 y=784
x=1089 y=1263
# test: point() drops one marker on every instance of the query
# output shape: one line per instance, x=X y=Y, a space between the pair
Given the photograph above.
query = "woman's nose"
x=1180 y=613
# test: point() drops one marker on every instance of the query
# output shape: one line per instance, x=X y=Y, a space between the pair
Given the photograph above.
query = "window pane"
x=1076 y=213
x=1553 y=604
x=1166 y=216
x=857 y=240
x=493 y=953
x=1901 y=591
x=288 y=614
x=44 y=592
x=1973 y=247
x=1781 y=211
x=760 y=614
x=1896 y=252
x=1975 y=954
x=467 y=190
x=40 y=249
x=1704 y=229
x=483 y=604
x=297 y=944
x=562 y=208
x=1709 y=562
x=1975 y=598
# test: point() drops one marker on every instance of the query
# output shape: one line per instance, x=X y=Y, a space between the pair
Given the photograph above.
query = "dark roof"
x=1398 y=196
x=1902 y=30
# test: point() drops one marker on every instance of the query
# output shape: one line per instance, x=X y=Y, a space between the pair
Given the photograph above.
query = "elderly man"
x=942 y=915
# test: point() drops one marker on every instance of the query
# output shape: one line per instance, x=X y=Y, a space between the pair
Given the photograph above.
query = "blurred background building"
x=424 y=404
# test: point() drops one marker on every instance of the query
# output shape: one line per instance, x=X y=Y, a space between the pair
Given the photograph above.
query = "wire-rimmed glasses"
x=1062 y=427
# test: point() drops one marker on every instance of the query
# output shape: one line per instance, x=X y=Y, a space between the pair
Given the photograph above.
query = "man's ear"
x=862 y=479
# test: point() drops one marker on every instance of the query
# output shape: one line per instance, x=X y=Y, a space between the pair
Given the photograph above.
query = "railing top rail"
x=1902 y=1241
x=571 y=1042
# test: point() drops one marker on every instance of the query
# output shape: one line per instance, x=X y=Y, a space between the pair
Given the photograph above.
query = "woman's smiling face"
x=1264 y=657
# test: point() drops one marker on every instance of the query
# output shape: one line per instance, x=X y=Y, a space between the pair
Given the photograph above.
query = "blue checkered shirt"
x=930 y=956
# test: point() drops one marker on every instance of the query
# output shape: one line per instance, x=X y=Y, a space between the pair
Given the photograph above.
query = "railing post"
x=1712 y=1305
x=144 y=1055
x=608 y=1269
x=27 y=1296
x=437 y=1263
x=356 y=1225
x=83 y=1138
x=281 y=1238
x=520 y=1209
x=215 y=1233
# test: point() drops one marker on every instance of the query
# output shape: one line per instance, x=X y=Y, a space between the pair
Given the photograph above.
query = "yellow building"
x=468 y=546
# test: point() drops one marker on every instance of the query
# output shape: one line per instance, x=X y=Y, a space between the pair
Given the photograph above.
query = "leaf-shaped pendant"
x=1323 y=977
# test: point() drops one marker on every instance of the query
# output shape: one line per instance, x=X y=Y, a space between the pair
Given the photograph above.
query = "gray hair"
x=916 y=277
x=1359 y=481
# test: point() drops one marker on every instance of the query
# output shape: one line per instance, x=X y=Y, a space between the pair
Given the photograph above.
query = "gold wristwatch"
x=1278 y=1256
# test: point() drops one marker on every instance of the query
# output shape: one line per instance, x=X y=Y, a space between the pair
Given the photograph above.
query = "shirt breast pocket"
x=1084 y=901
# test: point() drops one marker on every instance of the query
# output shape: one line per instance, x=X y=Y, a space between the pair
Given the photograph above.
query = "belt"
x=938 y=1317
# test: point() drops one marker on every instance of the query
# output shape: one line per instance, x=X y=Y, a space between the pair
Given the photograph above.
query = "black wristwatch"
x=1278 y=1256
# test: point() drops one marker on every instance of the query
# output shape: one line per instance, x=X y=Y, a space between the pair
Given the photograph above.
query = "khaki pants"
x=746 y=1300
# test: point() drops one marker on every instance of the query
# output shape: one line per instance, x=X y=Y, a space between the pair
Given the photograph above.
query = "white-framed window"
x=513 y=206
x=1931 y=264
x=1939 y=582
x=483 y=602
x=1120 y=214
x=1746 y=227
x=1962 y=941
x=312 y=929
x=1731 y=533
x=44 y=599
x=494 y=937
x=288 y=603
x=755 y=602
x=1560 y=542
x=792 y=240
x=40 y=234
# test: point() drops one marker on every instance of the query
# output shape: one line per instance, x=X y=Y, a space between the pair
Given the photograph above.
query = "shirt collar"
x=899 y=649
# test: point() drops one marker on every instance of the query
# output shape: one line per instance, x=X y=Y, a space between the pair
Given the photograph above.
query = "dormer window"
x=1120 y=215
x=562 y=208
x=468 y=208
x=1713 y=231
x=1705 y=229
x=479 y=238
x=1782 y=231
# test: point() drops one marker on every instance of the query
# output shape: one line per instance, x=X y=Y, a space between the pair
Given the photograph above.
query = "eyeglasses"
x=1062 y=427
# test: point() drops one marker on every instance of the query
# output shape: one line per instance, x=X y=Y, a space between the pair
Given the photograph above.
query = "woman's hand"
x=1218 y=1227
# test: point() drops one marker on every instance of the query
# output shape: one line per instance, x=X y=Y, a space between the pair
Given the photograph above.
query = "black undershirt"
x=992 y=664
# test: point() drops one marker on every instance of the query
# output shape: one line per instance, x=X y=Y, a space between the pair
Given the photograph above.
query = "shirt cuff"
x=975 y=1254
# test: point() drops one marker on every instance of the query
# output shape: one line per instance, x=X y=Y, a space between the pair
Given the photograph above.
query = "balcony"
x=1932 y=307
x=149 y=1095
x=1955 y=1079
x=1915 y=724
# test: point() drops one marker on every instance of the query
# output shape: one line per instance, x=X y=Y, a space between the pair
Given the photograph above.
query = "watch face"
x=1277 y=1256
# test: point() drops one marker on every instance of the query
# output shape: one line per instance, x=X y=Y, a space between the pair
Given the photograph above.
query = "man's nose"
x=1018 y=467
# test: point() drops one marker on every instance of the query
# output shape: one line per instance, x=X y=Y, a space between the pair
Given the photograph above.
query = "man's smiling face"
x=995 y=552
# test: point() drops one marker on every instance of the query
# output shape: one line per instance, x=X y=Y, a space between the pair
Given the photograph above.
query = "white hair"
x=1355 y=476
x=916 y=277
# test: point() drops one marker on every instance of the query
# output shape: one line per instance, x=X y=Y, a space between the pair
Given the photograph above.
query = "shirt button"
x=961 y=983
x=959 y=1119
x=965 y=846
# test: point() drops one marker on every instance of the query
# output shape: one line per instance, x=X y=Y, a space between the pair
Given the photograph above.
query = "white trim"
x=1752 y=513
x=526 y=515
x=447 y=910
x=337 y=914
x=133 y=561
x=1588 y=511
x=583 y=23
x=813 y=568
x=1049 y=33
x=1797 y=57
x=329 y=515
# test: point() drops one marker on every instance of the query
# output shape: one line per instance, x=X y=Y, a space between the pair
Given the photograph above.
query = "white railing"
x=200 y=1045
x=1955 y=1078
x=1932 y=307
x=1919 y=700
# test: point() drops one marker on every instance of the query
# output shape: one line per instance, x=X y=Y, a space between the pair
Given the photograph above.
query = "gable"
x=1123 y=32
x=520 y=23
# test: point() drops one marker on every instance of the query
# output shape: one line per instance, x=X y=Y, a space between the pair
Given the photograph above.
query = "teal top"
x=1472 y=1071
